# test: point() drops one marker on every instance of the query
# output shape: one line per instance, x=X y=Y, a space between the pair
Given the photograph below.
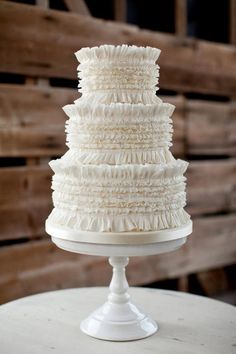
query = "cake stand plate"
x=119 y=319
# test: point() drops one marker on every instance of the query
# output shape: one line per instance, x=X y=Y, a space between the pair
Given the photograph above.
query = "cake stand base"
x=118 y=319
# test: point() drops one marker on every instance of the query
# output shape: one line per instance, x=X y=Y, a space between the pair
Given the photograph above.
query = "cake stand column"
x=119 y=285
x=118 y=319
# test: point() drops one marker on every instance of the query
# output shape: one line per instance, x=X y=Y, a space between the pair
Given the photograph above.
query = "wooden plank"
x=183 y=283
x=25 y=201
x=179 y=122
x=232 y=16
x=181 y=17
x=213 y=281
x=47 y=39
x=232 y=130
x=211 y=245
x=32 y=121
x=211 y=128
x=211 y=186
x=120 y=10
x=78 y=6
x=39 y=266
x=42 y=3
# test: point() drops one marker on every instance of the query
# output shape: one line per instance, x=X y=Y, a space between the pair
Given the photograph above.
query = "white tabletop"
x=49 y=323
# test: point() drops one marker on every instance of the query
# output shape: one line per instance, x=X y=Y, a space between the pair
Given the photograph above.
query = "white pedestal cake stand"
x=118 y=319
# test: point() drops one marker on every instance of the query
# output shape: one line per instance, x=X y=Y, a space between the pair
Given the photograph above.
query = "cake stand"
x=119 y=319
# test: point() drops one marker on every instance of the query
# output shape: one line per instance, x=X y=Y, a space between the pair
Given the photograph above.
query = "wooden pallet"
x=39 y=43
x=47 y=39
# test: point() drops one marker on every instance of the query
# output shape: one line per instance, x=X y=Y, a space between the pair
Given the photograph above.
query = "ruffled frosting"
x=119 y=196
x=118 y=157
x=120 y=133
x=114 y=76
x=117 y=113
x=118 y=74
x=122 y=52
x=101 y=188
x=121 y=96
x=120 y=138
x=118 y=223
x=118 y=174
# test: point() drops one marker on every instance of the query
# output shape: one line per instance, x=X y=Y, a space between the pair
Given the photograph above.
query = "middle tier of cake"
x=119 y=133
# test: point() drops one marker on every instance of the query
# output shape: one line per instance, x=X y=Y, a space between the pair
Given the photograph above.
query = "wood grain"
x=178 y=148
x=232 y=24
x=120 y=10
x=210 y=246
x=181 y=17
x=39 y=266
x=186 y=64
x=78 y=6
x=25 y=201
x=211 y=128
x=32 y=121
x=213 y=281
x=211 y=186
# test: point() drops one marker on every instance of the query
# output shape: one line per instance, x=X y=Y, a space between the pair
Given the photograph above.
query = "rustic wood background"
x=37 y=44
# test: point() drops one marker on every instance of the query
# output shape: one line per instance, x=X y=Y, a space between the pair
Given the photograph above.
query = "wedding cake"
x=118 y=174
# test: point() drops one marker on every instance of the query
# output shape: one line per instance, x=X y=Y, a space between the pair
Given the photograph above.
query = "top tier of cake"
x=125 y=74
x=119 y=119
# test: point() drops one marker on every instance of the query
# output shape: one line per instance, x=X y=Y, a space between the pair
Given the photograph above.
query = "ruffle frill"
x=119 y=198
x=118 y=74
x=121 y=96
x=122 y=52
x=119 y=173
x=117 y=113
x=118 y=223
x=118 y=157
x=120 y=133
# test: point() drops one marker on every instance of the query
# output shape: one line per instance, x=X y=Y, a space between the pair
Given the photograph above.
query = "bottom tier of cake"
x=118 y=198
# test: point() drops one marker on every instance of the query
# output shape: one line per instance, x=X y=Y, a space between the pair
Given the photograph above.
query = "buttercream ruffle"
x=137 y=190
x=122 y=73
x=122 y=52
x=118 y=190
x=119 y=112
x=117 y=77
x=116 y=204
x=117 y=133
x=122 y=96
x=118 y=223
x=118 y=74
x=120 y=172
x=117 y=67
x=118 y=157
x=119 y=141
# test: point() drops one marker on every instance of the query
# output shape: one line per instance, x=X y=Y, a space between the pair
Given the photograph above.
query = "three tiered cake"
x=118 y=174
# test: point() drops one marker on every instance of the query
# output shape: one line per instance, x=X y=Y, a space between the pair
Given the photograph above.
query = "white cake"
x=118 y=174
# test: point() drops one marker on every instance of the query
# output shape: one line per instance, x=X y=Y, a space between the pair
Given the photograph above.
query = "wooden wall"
x=38 y=44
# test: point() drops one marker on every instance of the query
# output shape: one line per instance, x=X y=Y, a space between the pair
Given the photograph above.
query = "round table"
x=50 y=323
